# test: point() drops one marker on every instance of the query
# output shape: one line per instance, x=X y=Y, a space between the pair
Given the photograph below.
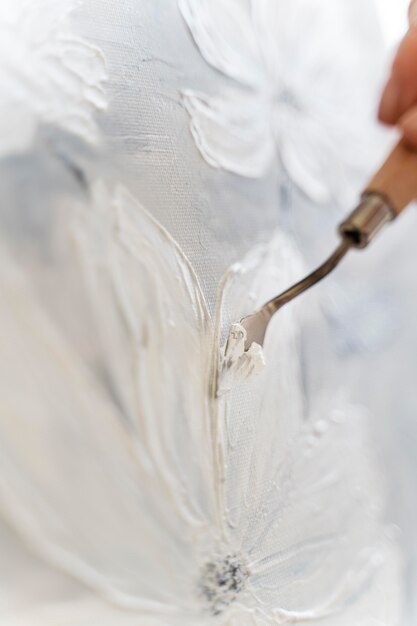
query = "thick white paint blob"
x=236 y=363
x=47 y=74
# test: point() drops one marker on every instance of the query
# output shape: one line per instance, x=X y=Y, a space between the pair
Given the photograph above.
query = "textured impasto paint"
x=48 y=74
x=285 y=95
x=155 y=489
x=177 y=479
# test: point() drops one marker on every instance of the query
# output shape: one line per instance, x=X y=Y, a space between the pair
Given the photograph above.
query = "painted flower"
x=287 y=96
x=47 y=74
x=157 y=471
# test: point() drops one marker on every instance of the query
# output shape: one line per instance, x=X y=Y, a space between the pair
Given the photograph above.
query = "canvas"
x=166 y=167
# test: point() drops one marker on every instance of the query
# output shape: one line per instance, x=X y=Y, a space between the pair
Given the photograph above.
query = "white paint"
x=286 y=95
x=150 y=488
x=236 y=363
x=393 y=16
x=47 y=74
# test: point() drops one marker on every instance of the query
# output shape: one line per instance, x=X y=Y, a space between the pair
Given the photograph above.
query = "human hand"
x=398 y=104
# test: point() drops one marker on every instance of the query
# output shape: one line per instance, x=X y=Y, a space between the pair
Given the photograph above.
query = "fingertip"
x=382 y=118
x=390 y=104
x=408 y=126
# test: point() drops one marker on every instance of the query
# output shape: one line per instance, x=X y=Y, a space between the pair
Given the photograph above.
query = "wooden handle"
x=397 y=178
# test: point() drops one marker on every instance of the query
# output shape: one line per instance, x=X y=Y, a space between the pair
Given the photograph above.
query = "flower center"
x=287 y=98
x=221 y=580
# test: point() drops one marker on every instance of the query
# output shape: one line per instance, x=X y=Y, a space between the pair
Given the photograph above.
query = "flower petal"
x=110 y=476
x=309 y=155
x=225 y=36
x=27 y=582
x=255 y=415
x=330 y=139
x=48 y=75
x=324 y=544
x=232 y=132
x=86 y=610
x=276 y=23
x=148 y=304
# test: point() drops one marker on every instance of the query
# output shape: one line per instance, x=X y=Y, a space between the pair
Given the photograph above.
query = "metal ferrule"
x=367 y=219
